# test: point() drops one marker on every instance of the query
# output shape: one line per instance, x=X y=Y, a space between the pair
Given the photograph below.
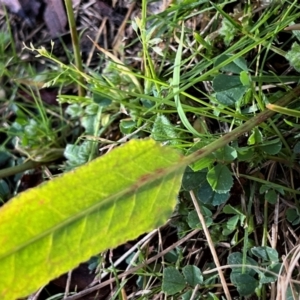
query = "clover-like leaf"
x=173 y=281
x=229 y=89
x=208 y=196
x=220 y=179
x=192 y=275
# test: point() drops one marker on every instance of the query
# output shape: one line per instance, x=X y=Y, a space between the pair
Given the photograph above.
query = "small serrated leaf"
x=228 y=31
x=173 y=281
x=192 y=275
x=271 y=196
x=89 y=122
x=163 y=130
x=208 y=196
x=265 y=253
x=220 y=179
x=266 y=277
x=293 y=56
x=245 y=283
x=193 y=219
x=191 y=179
x=272 y=147
x=74 y=110
x=296 y=148
x=224 y=82
x=236 y=66
x=236 y=258
x=226 y=153
x=293 y=216
x=229 y=89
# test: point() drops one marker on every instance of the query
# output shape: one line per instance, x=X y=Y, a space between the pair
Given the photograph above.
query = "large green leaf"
x=48 y=230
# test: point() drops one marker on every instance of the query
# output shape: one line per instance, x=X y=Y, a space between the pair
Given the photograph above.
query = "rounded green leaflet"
x=173 y=281
x=193 y=275
x=208 y=196
x=220 y=178
x=50 y=229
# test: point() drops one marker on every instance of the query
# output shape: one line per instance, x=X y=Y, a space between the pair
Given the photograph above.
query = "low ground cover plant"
x=188 y=133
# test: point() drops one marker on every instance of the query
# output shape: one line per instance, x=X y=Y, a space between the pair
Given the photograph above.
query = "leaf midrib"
x=133 y=188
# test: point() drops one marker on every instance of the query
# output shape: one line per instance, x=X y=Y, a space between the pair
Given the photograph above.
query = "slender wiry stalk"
x=76 y=47
x=211 y=245
x=246 y=127
x=19 y=168
x=53 y=155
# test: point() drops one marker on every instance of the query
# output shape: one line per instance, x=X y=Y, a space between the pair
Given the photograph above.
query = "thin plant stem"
x=134 y=269
x=211 y=245
x=13 y=46
x=76 y=47
x=53 y=155
x=246 y=127
x=30 y=164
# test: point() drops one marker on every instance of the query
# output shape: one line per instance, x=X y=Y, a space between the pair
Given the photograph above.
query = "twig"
x=133 y=270
x=126 y=254
x=69 y=279
x=211 y=246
